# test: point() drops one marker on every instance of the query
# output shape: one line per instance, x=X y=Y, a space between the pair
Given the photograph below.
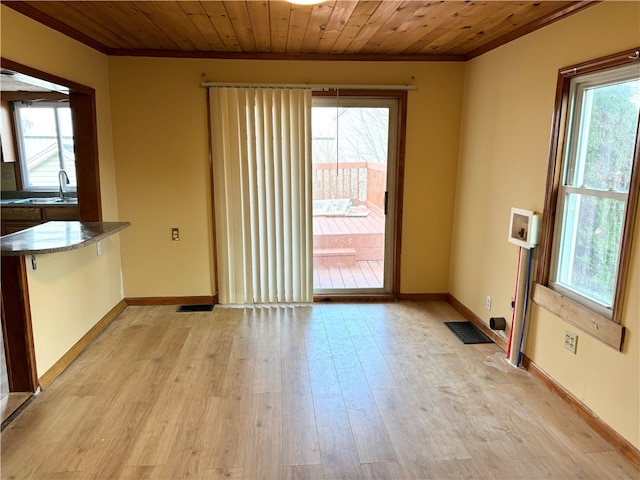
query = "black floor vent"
x=467 y=333
x=195 y=308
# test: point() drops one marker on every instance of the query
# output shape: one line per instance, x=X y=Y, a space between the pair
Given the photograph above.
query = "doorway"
x=15 y=308
x=9 y=401
x=355 y=140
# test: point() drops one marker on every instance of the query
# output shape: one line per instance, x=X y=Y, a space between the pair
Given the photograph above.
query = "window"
x=592 y=186
x=45 y=142
x=593 y=193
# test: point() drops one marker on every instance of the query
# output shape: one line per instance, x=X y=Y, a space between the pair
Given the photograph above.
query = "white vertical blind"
x=262 y=188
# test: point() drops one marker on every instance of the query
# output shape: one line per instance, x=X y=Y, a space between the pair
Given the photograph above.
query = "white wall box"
x=524 y=228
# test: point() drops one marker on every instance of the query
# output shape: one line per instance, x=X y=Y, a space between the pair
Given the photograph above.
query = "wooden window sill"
x=596 y=325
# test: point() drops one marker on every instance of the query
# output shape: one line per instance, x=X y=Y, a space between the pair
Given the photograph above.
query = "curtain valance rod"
x=312 y=86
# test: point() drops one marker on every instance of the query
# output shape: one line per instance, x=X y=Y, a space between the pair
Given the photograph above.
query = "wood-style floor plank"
x=263 y=459
x=337 y=447
x=328 y=391
x=299 y=434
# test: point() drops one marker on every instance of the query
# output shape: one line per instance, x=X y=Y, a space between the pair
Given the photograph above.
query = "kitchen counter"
x=52 y=237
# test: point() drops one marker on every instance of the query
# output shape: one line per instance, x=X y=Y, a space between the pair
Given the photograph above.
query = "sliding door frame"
x=398 y=193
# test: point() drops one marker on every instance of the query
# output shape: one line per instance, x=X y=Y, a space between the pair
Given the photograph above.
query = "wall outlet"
x=488 y=303
x=570 y=341
x=175 y=234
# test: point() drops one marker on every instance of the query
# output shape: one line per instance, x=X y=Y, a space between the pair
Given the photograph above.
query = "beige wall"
x=504 y=147
x=63 y=306
x=160 y=141
x=69 y=293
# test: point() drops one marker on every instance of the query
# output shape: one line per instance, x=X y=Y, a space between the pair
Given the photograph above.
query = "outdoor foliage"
x=362 y=137
x=343 y=137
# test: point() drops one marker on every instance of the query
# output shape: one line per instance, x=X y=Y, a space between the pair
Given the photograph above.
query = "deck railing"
x=362 y=182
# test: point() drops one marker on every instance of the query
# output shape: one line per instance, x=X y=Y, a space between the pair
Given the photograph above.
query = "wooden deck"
x=342 y=225
x=366 y=274
x=348 y=252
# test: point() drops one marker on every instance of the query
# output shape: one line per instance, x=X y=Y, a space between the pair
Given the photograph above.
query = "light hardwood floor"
x=357 y=391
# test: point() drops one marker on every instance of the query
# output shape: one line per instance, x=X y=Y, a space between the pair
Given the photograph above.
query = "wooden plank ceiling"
x=386 y=30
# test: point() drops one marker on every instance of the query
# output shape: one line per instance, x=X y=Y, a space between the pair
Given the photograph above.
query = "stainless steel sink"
x=32 y=200
x=45 y=201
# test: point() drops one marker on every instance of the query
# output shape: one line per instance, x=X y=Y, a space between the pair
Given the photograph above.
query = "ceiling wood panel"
x=333 y=30
x=359 y=16
x=340 y=29
x=162 y=34
x=320 y=15
x=67 y=12
x=217 y=17
x=396 y=27
x=299 y=21
x=155 y=20
x=258 y=11
x=238 y=16
x=121 y=21
x=413 y=29
x=448 y=32
x=183 y=23
x=377 y=18
x=279 y=22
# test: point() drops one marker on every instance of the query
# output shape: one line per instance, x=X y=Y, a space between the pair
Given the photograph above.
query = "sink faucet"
x=62 y=174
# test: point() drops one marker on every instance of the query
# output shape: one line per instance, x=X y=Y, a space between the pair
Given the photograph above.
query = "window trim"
x=556 y=302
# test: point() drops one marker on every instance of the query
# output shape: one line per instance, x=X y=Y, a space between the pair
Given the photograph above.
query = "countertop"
x=53 y=237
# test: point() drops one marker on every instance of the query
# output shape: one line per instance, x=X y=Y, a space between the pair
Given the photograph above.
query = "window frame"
x=606 y=327
x=17 y=105
x=571 y=163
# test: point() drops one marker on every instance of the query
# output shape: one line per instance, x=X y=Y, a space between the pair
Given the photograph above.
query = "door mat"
x=467 y=333
x=195 y=308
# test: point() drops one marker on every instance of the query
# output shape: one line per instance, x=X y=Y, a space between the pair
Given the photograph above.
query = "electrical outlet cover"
x=570 y=341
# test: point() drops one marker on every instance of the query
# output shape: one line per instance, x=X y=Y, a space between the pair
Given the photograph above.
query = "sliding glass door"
x=354 y=149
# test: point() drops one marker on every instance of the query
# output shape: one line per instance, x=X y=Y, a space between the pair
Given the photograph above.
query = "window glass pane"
x=43 y=130
x=362 y=136
x=38 y=127
x=66 y=134
x=588 y=257
x=605 y=147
